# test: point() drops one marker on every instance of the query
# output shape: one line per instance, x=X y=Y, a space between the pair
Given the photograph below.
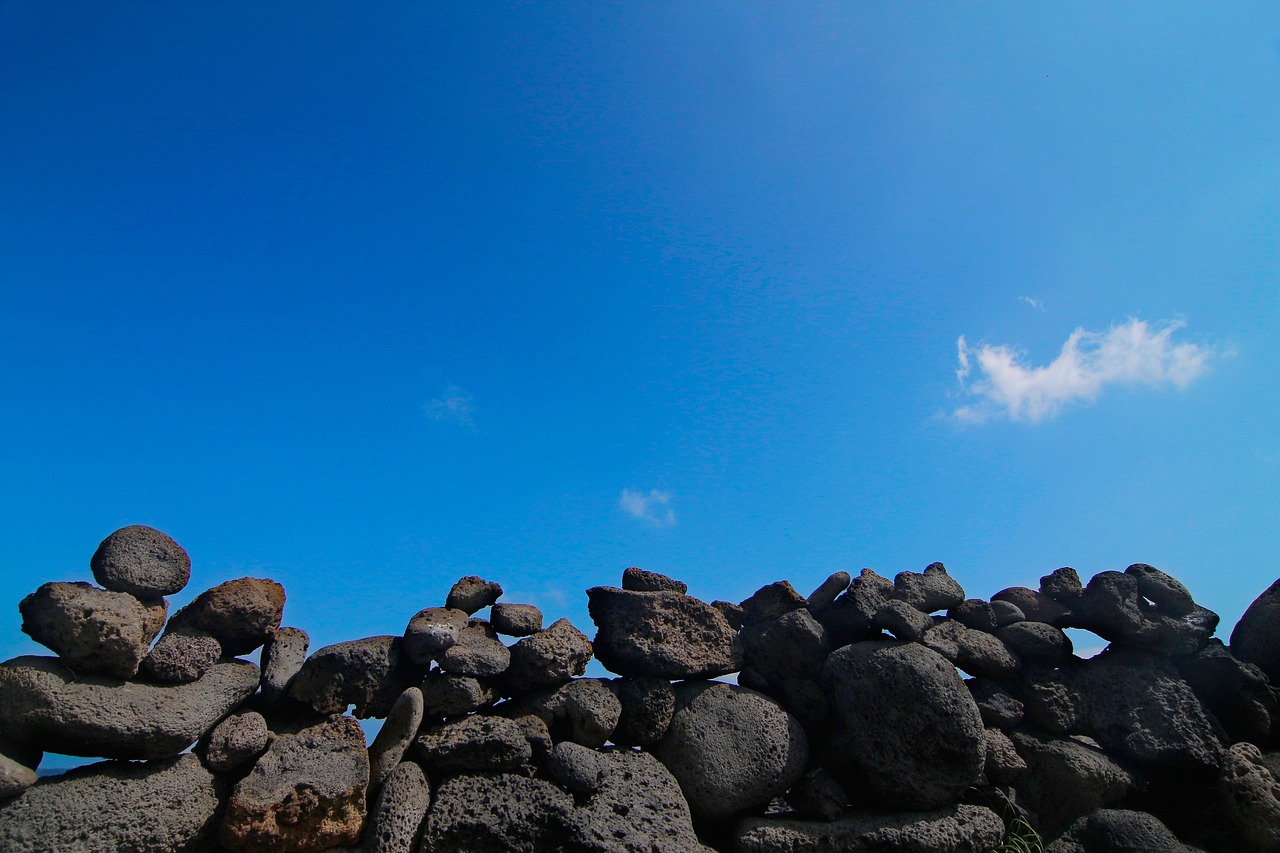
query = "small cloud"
x=1131 y=354
x=1034 y=303
x=653 y=507
x=453 y=405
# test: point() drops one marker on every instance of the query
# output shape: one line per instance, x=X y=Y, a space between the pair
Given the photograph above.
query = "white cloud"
x=453 y=405
x=1034 y=303
x=1130 y=354
x=654 y=507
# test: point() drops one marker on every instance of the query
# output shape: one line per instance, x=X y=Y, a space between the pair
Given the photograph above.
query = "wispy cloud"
x=1130 y=354
x=1034 y=303
x=654 y=508
x=453 y=405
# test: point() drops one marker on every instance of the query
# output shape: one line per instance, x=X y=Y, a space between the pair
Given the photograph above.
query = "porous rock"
x=662 y=634
x=1066 y=779
x=646 y=706
x=1034 y=606
x=951 y=829
x=771 y=601
x=516 y=620
x=976 y=652
x=731 y=749
x=15 y=776
x=237 y=740
x=394 y=737
x=1003 y=765
x=431 y=631
x=1062 y=585
x=637 y=579
x=472 y=593
x=818 y=794
x=472 y=744
x=1006 y=613
x=576 y=767
x=1050 y=698
x=181 y=656
x=241 y=613
x=1250 y=797
x=396 y=817
x=549 y=657
x=1256 y=637
x=1118 y=831
x=477 y=653
x=637 y=807
x=903 y=619
x=1164 y=591
x=1236 y=693
x=904 y=721
x=584 y=711
x=974 y=613
x=793 y=645
x=499 y=811
x=929 y=591
x=995 y=704
x=154 y=807
x=1037 y=642
x=51 y=708
x=93 y=631
x=1111 y=607
x=851 y=617
x=822 y=597
x=306 y=792
x=142 y=561
x=369 y=673
x=282 y=657
x=446 y=695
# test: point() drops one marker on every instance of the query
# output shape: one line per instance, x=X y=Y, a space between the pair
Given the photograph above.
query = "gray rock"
x=1063 y=586
x=771 y=601
x=1237 y=694
x=1067 y=779
x=480 y=812
x=446 y=695
x=51 y=708
x=584 y=711
x=637 y=808
x=976 y=652
x=731 y=749
x=93 y=631
x=237 y=740
x=1118 y=831
x=822 y=597
x=1036 y=642
x=1051 y=699
x=181 y=656
x=537 y=735
x=431 y=631
x=952 y=829
x=396 y=818
x=1006 y=613
x=516 y=620
x=1256 y=637
x=903 y=619
x=646 y=708
x=547 y=658
x=141 y=561
x=793 y=645
x=930 y=591
x=637 y=579
x=157 y=807
x=818 y=794
x=1003 y=765
x=996 y=706
x=578 y=768
x=242 y=614
x=732 y=613
x=306 y=792
x=282 y=657
x=1177 y=635
x=904 y=720
x=851 y=617
x=1250 y=797
x=369 y=673
x=472 y=593
x=15 y=777
x=1164 y=591
x=471 y=744
x=662 y=634
x=1034 y=606
x=477 y=653
x=1111 y=607
x=974 y=613
x=394 y=737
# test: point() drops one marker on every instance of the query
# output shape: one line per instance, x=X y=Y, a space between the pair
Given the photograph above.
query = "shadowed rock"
x=478 y=652
x=929 y=591
x=236 y=741
x=646 y=708
x=396 y=817
x=1256 y=637
x=282 y=657
x=851 y=617
x=1067 y=779
x=516 y=620
x=771 y=601
x=395 y=736
x=472 y=593
x=953 y=828
x=473 y=744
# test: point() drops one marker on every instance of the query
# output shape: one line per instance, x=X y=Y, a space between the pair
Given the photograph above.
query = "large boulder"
x=306 y=793
x=142 y=561
x=665 y=634
x=953 y=829
x=731 y=749
x=242 y=614
x=1249 y=794
x=1256 y=637
x=369 y=673
x=52 y=708
x=94 y=631
x=1066 y=779
x=154 y=807
x=1118 y=831
x=636 y=807
x=1236 y=693
x=904 y=722
x=499 y=811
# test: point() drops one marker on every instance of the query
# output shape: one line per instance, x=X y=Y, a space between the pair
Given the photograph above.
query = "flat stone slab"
x=48 y=707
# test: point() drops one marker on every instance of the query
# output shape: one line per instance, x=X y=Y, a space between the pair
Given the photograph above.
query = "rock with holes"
x=576 y=767
x=516 y=620
x=396 y=817
x=822 y=597
x=851 y=617
x=94 y=631
x=1164 y=591
x=282 y=657
x=369 y=673
x=1256 y=637
x=445 y=695
x=929 y=591
x=1033 y=605
x=637 y=579
x=478 y=652
x=141 y=561
x=499 y=811
x=472 y=593
x=181 y=656
x=241 y=614
x=954 y=828
x=547 y=658
x=636 y=807
x=431 y=632
x=770 y=602
x=395 y=736
x=1250 y=797
x=475 y=743
x=584 y=711
x=1237 y=694
x=646 y=706
x=661 y=634
x=1118 y=831
x=236 y=741
x=1066 y=779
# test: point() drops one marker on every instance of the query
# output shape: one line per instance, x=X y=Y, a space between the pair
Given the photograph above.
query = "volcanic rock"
x=1256 y=637
x=636 y=579
x=952 y=828
x=516 y=620
x=478 y=652
x=646 y=708
x=181 y=656
x=929 y=591
x=471 y=744
x=242 y=614
x=237 y=740
x=822 y=597
x=431 y=631
x=1067 y=779
x=446 y=695
x=369 y=673
x=1164 y=591
x=395 y=736
x=662 y=634
x=396 y=817
x=282 y=657
x=472 y=593
x=1063 y=586
x=1037 y=642
x=578 y=768
x=771 y=601
x=499 y=811
x=547 y=658
x=851 y=617
x=1118 y=831
x=94 y=631
x=1250 y=797
x=1237 y=694
x=141 y=561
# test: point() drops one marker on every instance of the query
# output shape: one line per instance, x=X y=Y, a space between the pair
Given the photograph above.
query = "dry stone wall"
x=872 y=714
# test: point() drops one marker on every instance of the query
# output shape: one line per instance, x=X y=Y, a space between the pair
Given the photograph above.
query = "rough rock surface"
x=51 y=708
x=822 y=597
x=1238 y=694
x=953 y=829
x=637 y=579
x=1164 y=591
x=431 y=631
x=306 y=793
x=903 y=720
x=1062 y=585
x=396 y=818
x=1034 y=606
x=662 y=634
x=1067 y=779
x=929 y=591
x=242 y=614
x=1250 y=797
x=646 y=708
x=770 y=602
x=282 y=656
x=478 y=652
x=472 y=593
x=156 y=807
x=577 y=768
x=499 y=812
x=516 y=620
x=1256 y=637
x=395 y=736
x=472 y=744
x=1118 y=831
x=370 y=673
x=851 y=617
x=237 y=740
x=1036 y=642
x=818 y=794
x=637 y=808
x=15 y=776
x=446 y=695
x=141 y=561
x=546 y=658
x=181 y=656
x=584 y=711
x=731 y=749
x=93 y=631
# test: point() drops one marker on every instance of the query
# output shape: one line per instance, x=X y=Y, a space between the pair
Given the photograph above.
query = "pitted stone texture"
x=646 y=708
x=1164 y=591
x=306 y=793
x=236 y=741
x=1111 y=607
x=282 y=658
x=93 y=631
x=953 y=829
x=731 y=749
x=472 y=744
x=584 y=711
x=771 y=601
x=142 y=561
x=242 y=614
x=1036 y=642
x=369 y=673
x=395 y=736
x=903 y=619
x=851 y=617
x=1237 y=694
x=974 y=613
x=1067 y=779
x=1062 y=585
x=637 y=808
x=478 y=652
x=538 y=736
x=431 y=631
x=181 y=656
x=1250 y=797
x=818 y=794
x=477 y=812
x=662 y=634
x=396 y=817
x=1118 y=831
x=576 y=767
x=930 y=591
x=1003 y=765
x=1034 y=606
x=731 y=612
x=976 y=652
x=822 y=597
x=1256 y=637
x=15 y=777
x=446 y=695
x=996 y=706
x=637 y=579
x=516 y=620
x=1051 y=699
x=1177 y=635
x=547 y=658
x=795 y=645
x=904 y=720
x=156 y=807
x=51 y=708
x=472 y=593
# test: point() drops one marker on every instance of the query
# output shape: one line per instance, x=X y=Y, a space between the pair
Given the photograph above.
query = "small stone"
x=141 y=561
x=282 y=657
x=974 y=613
x=639 y=580
x=903 y=619
x=472 y=593
x=395 y=736
x=771 y=601
x=94 y=631
x=827 y=592
x=397 y=815
x=369 y=673
x=516 y=620
x=1033 y=605
x=976 y=652
x=794 y=645
x=662 y=634
x=446 y=695
x=475 y=743
x=646 y=708
x=236 y=741
x=1062 y=585
x=930 y=591
x=549 y=657
x=431 y=632
x=181 y=656
x=578 y=768
x=242 y=614
x=1036 y=642
x=478 y=652
x=1164 y=591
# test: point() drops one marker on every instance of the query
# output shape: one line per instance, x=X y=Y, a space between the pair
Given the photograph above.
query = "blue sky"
x=365 y=299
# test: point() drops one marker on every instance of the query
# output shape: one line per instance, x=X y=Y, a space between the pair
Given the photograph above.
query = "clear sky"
x=367 y=297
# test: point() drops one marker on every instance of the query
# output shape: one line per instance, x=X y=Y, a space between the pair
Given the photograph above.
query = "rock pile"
x=873 y=714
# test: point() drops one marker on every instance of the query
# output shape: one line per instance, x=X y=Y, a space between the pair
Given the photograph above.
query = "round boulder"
x=142 y=561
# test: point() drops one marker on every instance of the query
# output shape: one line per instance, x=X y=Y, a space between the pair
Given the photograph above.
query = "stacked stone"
x=871 y=714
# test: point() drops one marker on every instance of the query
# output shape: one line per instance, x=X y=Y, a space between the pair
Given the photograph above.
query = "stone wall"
x=872 y=714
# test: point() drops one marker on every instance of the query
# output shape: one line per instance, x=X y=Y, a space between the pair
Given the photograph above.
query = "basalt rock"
x=94 y=631
x=953 y=828
x=663 y=634
x=472 y=593
x=1256 y=637
x=242 y=614
x=549 y=657
x=141 y=561
x=370 y=673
